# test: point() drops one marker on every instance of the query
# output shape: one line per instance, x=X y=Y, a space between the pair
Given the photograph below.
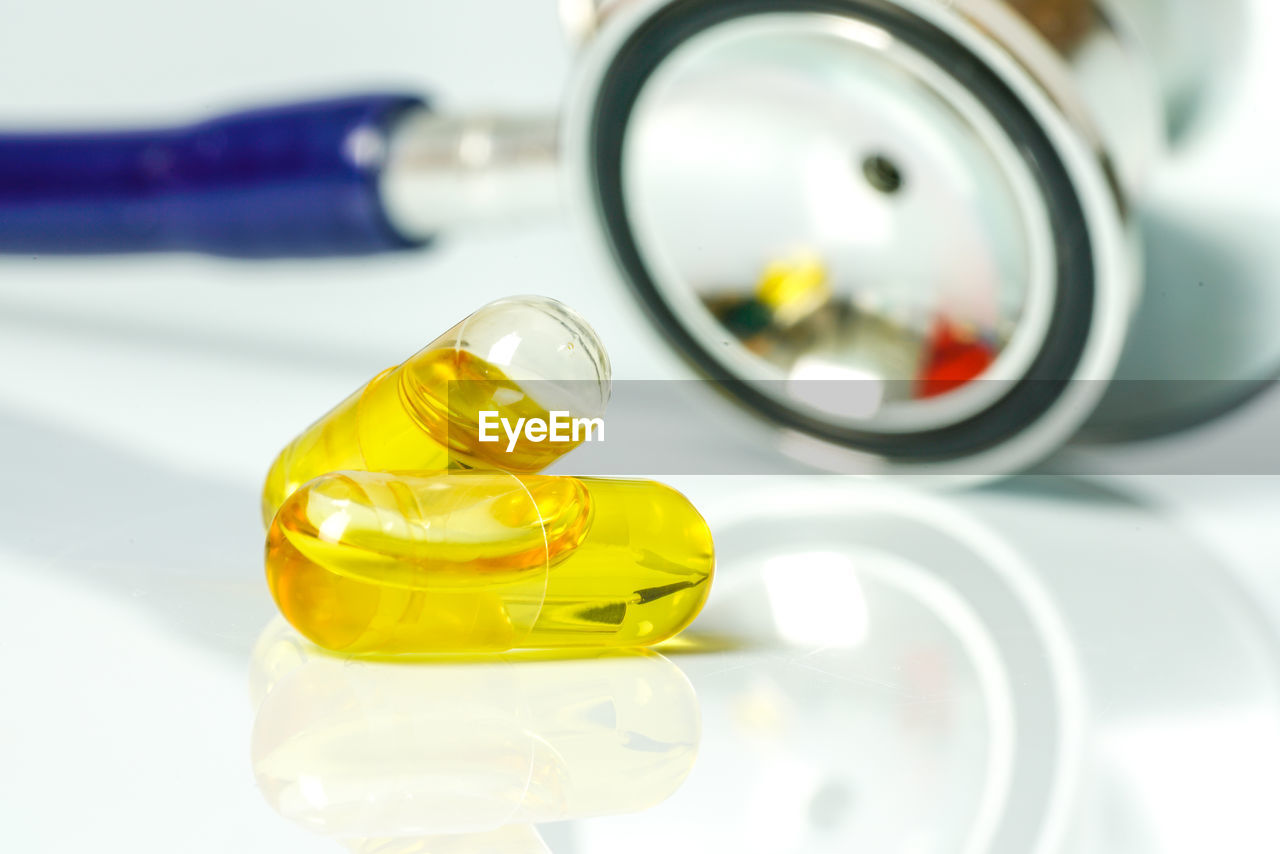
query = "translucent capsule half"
x=523 y=357
x=371 y=562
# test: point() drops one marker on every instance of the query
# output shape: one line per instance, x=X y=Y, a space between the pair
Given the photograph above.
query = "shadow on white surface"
x=185 y=550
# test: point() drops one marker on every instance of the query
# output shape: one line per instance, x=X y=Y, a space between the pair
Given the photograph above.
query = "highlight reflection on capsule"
x=379 y=563
x=522 y=358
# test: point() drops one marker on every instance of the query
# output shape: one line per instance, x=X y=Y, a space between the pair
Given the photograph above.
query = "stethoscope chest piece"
x=898 y=230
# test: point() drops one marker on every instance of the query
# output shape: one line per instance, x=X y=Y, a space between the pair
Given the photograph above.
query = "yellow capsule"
x=521 y=358
x=371 y=562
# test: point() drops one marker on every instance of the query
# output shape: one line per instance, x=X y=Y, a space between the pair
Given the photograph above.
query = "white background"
x=142 y=399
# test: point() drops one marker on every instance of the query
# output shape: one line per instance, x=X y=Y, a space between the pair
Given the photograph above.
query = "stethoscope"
x=900 y=229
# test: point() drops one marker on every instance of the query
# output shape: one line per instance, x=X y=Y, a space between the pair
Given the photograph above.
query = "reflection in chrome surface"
x=464 y=754
x=782 y=174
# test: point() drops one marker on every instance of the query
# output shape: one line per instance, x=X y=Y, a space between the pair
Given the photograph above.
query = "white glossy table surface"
x=1082 y=663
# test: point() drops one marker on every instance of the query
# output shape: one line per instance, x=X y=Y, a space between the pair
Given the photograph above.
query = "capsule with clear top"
x=522 y=357
x=379 y=563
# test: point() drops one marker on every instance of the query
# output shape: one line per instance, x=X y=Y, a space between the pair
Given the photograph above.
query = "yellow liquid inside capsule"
x=422 y=415
x=369 y=562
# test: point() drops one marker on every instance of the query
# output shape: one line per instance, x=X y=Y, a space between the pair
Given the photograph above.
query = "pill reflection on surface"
x=522 y=357
x=378 y=563
x=466 y=751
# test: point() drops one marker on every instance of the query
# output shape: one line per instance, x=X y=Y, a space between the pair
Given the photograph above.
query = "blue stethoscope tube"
x=300 y=180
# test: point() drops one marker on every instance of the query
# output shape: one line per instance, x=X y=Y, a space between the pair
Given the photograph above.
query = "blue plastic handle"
x=290 y=181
